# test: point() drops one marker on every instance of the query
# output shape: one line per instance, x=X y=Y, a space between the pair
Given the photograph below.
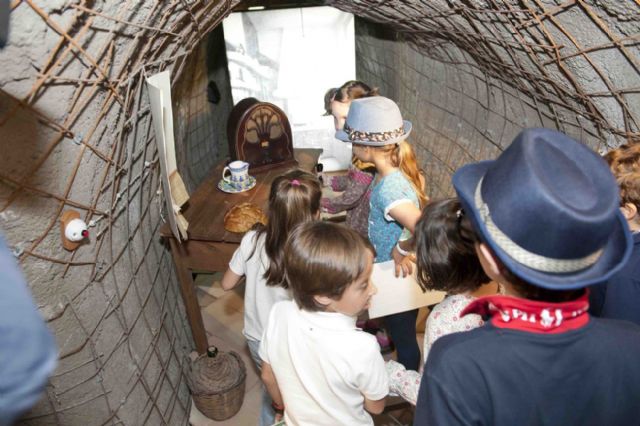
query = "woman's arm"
x=230 y=279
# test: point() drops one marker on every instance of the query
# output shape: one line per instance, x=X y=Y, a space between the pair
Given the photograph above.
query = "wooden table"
x=210 y=246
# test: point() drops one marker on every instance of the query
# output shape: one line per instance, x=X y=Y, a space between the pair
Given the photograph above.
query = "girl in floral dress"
x=446 y=261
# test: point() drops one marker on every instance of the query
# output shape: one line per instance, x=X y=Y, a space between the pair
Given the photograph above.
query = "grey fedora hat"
x=374 y=121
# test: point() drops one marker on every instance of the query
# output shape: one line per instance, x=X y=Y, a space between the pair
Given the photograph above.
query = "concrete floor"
x=222 y=314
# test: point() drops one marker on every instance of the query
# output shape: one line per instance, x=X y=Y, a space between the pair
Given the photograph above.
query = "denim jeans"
x=267 y=415
x=402 y=328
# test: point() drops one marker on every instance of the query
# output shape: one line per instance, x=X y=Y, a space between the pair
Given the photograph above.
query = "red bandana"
x=533 y=316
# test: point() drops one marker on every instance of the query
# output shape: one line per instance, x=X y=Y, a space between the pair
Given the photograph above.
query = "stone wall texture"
x=470 y=76
x=76 y=134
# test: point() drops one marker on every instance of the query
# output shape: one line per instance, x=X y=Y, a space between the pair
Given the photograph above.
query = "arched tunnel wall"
x=75 y=132
x=469 y=89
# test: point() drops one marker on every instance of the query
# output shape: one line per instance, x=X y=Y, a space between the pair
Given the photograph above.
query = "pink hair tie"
x=295 y=182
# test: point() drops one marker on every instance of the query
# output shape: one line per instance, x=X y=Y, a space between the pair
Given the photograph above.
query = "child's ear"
x=323 y=300
x=491 y=265
x=629 y=211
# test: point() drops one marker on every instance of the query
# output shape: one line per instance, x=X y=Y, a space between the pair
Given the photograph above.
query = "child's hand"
x=403 y=263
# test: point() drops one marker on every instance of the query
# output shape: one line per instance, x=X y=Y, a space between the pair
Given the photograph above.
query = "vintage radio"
x=259 y=133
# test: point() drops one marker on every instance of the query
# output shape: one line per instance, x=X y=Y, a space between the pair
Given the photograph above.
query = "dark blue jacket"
x=501 y=377
x=620 y=296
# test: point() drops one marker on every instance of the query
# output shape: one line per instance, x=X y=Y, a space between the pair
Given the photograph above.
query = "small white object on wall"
x=76 y=230
x=73 y=230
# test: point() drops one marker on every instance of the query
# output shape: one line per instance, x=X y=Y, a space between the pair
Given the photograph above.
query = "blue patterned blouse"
x=384 y=231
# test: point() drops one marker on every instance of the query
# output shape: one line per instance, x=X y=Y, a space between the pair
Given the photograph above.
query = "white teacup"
x=239 y=171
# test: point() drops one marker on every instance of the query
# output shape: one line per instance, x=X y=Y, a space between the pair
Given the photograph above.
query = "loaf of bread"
x=241 y=217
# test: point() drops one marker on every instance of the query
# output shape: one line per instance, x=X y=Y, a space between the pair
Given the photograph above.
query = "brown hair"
x=294 y=199
x=445 y=249
x=354 y=89
x=403 y=157
x=349 y=91
x=322 y=259
x=624 y=163
x=328 y=97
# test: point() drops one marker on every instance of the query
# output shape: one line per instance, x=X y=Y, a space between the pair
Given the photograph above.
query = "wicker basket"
x=217 y=383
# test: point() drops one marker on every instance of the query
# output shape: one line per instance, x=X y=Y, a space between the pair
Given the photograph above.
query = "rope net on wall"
x=77 y=134
x=567 y=54
x=470 y=74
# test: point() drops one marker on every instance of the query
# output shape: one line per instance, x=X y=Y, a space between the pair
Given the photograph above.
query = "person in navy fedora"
x=547 y=214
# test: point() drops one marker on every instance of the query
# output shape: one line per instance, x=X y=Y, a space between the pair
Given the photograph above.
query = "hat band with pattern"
x=522 y=255
x=356 y=135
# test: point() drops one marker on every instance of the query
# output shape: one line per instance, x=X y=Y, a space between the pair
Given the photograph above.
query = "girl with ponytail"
x=294 y=199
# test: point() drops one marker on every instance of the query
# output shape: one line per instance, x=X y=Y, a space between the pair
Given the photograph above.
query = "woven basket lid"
x=217 y=373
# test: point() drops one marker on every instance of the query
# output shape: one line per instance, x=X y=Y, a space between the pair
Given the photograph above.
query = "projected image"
x=290 y=57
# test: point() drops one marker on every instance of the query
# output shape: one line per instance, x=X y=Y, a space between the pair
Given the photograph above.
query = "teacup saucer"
x=225 y=186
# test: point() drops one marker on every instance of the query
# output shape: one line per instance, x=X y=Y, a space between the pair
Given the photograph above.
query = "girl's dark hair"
x=323 y=259
x=445 y=249
x=294 y=199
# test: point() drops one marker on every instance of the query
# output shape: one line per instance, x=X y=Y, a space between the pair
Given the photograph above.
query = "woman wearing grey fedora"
x=547 y=214
x=377 y=131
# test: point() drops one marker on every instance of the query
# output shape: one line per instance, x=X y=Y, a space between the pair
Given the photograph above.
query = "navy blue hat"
x=548 y=207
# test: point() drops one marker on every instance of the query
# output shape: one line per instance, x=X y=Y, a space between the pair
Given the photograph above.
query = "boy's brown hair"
x=323 y=259
x=624 y=163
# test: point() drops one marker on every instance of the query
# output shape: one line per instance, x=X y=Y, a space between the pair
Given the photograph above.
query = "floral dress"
x=444 y=319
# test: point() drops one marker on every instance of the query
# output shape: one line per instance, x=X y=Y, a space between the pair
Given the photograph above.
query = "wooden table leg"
x=187 y=289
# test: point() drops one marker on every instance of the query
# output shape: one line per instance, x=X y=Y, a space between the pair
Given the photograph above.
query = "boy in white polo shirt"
x=317 y=366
